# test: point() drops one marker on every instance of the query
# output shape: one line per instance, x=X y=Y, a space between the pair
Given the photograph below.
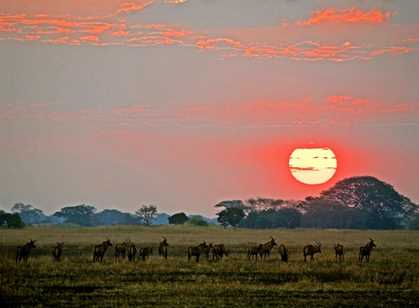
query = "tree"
x=230 y=216
x=281 y=218
x=385 y=207
x=11 y=220
x=115 y=217
x=80 y=214
x=29 y=214
x=414 y=223
x=178 y=219
x=147 y=213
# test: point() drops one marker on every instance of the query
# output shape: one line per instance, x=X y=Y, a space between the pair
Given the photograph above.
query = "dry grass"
x=390 y=279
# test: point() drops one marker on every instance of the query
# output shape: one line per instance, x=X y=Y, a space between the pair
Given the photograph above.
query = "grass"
x=390 y=279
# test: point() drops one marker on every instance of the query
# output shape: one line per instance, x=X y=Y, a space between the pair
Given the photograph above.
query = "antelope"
x=311 y=250
x=57 y=251
x=22 y=252
x=196 y=251
x=100 y=250
x=365 y=251
x=254 y=251
x=339 y=252
x=131 y=252
x=283 y=252
x=163 y=248
x=145 y=252
x=265 y=249
x=218 y=251
x=121 y=250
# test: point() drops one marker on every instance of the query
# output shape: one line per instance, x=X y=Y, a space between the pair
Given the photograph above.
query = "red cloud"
x=349 y=16
x=129 y=7
x=113 y=31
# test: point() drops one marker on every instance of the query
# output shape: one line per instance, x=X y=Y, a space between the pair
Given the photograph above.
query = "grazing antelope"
x=196 y=251
x=218 y=251
x=57 y=251
x=145 y=252
x=121 y=250
x=365 y=251
x=22 y=252
x=163 y=248
x=283 y=252
x=100 y=250
x=265 y=249
x=253 y=252
x=311 y=250
x=339 y=252
x=131 y=252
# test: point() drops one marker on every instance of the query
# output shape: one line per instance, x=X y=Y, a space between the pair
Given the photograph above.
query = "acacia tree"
x=147 y=213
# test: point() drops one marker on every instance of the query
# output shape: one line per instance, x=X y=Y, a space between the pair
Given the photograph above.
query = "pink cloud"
x=130 y=7
x=112 y=31
x=346 y=16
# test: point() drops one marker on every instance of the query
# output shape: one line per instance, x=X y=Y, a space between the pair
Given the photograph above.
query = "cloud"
x=334 y=109
x=346 y=16
x=116 y=30
x=175 y=1
x=303 y=169
x=130 y=7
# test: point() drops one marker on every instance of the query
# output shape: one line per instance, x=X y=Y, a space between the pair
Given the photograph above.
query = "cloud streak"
x=336 y=109
x=346 y=16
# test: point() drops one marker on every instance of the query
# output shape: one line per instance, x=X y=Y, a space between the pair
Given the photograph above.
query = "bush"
x=197 y=221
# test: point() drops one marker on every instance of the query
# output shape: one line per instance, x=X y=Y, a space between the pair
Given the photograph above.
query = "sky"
x=185 y=103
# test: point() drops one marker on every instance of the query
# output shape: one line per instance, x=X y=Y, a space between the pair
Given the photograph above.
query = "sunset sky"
x=184 y=103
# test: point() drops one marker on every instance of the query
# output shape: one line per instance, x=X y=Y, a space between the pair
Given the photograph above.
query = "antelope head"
x=273 y=243
x=371 y=243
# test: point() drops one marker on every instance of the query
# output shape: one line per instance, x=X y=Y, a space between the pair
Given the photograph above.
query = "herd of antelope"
x=213 y=252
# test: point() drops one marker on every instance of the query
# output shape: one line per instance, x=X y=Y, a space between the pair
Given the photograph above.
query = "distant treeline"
x=88 y=216
x=353 y=203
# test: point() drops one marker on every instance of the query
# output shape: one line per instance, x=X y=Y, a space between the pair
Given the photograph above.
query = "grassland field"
x=391 y=279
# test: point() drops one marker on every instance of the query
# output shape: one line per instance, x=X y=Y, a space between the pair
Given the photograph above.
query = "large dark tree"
x=11 y=220
x=382 y=205
x=80 y=214
x=178 y=219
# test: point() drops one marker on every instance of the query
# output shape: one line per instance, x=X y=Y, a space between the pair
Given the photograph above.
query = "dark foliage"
x=80 y=214
x=178 y=219
x=282 y=218
x=230 y=216
x=11 y=220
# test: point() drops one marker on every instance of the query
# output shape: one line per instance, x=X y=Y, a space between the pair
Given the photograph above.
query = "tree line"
x=87 y=216
x=357 y=203
x=354 y=203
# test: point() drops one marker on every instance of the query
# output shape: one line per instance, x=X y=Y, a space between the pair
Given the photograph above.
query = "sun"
x=312 y=166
